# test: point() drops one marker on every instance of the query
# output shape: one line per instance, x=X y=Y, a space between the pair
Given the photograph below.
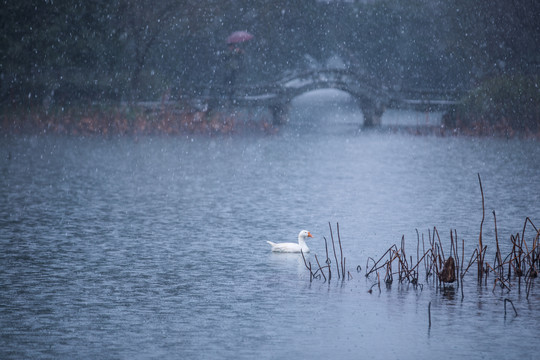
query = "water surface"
x=155 y=247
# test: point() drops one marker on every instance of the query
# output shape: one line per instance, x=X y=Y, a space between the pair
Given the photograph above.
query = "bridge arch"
x=325 y=107
x=370 y=101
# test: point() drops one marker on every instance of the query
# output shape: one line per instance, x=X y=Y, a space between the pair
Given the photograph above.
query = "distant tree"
x=496 y=43
x=69 y=51
x=495 y=37
x=141 y=25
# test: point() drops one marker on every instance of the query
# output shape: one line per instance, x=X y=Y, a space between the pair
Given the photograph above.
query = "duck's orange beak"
x=309 y=234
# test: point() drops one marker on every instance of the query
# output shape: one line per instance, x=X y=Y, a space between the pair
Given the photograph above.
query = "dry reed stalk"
x=328 y=261
x=320 y=268
x=334 y=247
x=436 y=260
x=498 y=256
x=403 y=262
x=529 y=281
x=428 y=266
x=480 y=245
x=341 y=252
x=421 y=259
x=388 y=278
x=511 y=303
x=404 y=271
x=503 y=284
x=375 y=268
x=517 y=262
x=436 y=232
x=434 y=255
x=474 y=257
x=454 y=240
x=311 y=275
x=378 y=283
x=461 y=273
x=429 y=313
x=417 y=245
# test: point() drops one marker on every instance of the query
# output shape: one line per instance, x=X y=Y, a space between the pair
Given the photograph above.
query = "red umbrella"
x=238 y=37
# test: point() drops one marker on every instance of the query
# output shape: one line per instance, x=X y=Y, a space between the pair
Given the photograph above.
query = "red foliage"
x=120 y=122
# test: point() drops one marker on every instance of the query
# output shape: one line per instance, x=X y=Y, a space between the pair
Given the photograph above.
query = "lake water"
x=156 y=247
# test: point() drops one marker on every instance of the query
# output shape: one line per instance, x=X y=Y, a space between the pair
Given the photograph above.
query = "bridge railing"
x=425 y=99
x=283 y=90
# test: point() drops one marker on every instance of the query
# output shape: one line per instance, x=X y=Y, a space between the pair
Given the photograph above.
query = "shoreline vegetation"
x=506 y=105
x=132 y=120
x=125 y=120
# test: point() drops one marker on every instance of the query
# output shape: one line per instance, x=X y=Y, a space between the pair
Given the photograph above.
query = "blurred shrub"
x=506 y=101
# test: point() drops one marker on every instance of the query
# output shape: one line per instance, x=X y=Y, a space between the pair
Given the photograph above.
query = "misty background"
x=78 y=51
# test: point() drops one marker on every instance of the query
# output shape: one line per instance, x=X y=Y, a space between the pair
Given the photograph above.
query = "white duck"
x=292 y=247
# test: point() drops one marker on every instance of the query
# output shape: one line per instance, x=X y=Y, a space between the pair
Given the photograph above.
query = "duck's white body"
x=293 y=247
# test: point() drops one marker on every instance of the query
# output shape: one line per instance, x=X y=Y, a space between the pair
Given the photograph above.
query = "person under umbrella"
x=234 y=58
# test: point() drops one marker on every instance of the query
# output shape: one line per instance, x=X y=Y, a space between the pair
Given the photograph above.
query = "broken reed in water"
x=519 y=265
x=340 y=267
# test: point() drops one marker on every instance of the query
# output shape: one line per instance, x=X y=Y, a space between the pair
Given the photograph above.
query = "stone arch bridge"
x=372 y=98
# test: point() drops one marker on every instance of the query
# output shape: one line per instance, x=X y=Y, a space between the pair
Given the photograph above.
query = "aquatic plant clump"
x=518 y=268
x=341 y=266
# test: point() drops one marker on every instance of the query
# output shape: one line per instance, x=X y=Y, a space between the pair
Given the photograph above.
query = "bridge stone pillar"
x=279 y=113
x=372 y=113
